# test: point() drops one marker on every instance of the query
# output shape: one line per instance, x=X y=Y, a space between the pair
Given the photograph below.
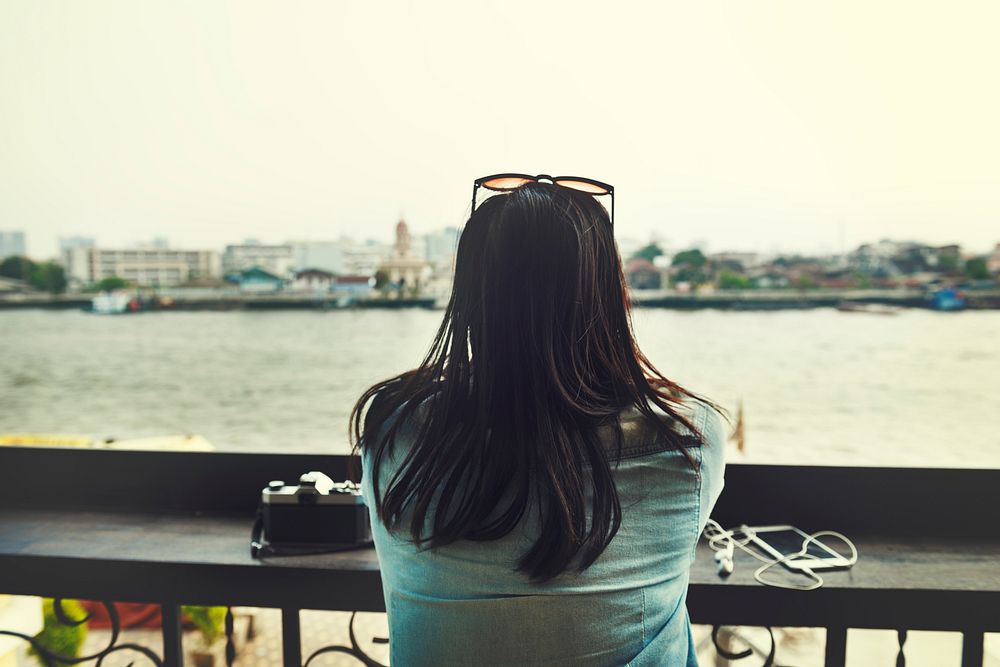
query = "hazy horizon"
x=388 y=239
x=787 y=127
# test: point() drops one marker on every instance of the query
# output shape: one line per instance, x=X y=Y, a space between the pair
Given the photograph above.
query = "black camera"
x=317 y=515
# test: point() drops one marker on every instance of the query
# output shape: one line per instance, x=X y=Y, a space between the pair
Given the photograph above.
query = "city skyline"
x=627 y=244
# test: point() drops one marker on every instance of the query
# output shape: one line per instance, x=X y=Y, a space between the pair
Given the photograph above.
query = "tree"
x=381 y=279
x=648 y=253
x=805 y=282
x=863 y=280
x=50 y=277
x=689 y=267
x=976 y=269
x=112 y=283
x=947 y=263
x=694 y=258
x=732 y=280
x=17 y=267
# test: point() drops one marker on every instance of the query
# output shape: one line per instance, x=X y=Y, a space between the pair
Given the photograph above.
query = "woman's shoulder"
x=641 y=434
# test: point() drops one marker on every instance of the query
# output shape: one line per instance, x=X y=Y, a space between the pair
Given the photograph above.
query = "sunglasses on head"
x=508 y=182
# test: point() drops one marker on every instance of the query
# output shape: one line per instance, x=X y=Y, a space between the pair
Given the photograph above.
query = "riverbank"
x=719 y=300
x=803 y=299
x=220 y=303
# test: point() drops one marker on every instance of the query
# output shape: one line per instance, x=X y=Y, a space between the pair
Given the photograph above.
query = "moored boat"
x=113 y=303
x=948 y=299
x=871 y=308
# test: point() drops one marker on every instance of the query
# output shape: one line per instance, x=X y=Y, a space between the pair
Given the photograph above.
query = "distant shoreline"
x=720 y=300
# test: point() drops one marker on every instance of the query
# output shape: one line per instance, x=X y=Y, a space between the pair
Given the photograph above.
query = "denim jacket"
x=465 y=604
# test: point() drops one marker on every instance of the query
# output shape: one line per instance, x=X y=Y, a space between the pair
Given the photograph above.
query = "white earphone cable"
x=724 y=542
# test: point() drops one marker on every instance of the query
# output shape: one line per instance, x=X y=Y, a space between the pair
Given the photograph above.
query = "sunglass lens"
x=505 y=183
x=584 y=186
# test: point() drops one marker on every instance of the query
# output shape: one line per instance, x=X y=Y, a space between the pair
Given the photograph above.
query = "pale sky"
x=747 y=125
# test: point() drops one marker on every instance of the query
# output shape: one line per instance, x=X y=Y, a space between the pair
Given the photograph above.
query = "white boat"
x=110 y=303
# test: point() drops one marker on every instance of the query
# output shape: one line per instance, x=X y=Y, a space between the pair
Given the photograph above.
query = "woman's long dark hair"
x=534 y=354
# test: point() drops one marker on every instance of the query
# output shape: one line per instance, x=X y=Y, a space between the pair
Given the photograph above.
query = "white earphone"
x=724 y=557
x=725 y=542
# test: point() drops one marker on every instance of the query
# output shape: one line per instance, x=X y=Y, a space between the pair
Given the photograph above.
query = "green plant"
x=694 y=258
x=112 y=283
x=976 y=269
x=648 y=252
x=47 y=276
x=804 y=283
x=17 y=267
x=50 y=277
x=947 y=263
x=732 y=280
x=57 y=636
x=863 y=280
x=208 y=620
x=381 y=279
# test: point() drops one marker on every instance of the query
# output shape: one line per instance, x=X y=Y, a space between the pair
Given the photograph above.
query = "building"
x=257 y=280
x=327 y=256
x=439 y=250
x=363 y=259
x=276 y=259
x=344 y=256
x=993 y=260
x=12 y=243
x=440 y=247
x=312 y=280
x=735 y=261
x=353 y=287
x=70 y=242
x=406 y=271
x=642 y=274
x=152 y=267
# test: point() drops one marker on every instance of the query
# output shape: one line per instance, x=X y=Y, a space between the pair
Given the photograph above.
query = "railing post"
x=230 y=646
x=170 y=615
x=972 y=648
x=291 y=638
x=836 y=647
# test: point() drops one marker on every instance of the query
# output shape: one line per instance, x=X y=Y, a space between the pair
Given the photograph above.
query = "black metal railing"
x=173 y=528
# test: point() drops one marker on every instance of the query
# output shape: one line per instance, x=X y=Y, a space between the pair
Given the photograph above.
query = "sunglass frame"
x=610 y=190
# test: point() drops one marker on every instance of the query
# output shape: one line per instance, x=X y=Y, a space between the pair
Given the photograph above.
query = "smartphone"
x=780 y=541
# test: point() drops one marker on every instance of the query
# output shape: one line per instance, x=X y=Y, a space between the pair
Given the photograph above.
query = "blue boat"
x=948 y=299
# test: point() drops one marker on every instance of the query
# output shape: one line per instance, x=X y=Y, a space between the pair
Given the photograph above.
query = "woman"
x=536 y=486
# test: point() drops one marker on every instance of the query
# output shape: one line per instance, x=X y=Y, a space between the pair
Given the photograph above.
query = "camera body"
x=315 y=512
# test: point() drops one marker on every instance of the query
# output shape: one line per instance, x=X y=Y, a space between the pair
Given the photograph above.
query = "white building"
x=143 y=266
x=993 y=260
x=315 y=281
x=363 y=259
x=12 y=243
x=69 y=242
x=405 y=269
x=276 y=259
x=440 y=248
x=322 y=255
x=344 y=256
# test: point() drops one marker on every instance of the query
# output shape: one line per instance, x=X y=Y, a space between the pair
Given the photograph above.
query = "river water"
x=818 y=387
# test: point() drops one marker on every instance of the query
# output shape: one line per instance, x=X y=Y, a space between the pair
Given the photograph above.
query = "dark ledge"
x=174 y=527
